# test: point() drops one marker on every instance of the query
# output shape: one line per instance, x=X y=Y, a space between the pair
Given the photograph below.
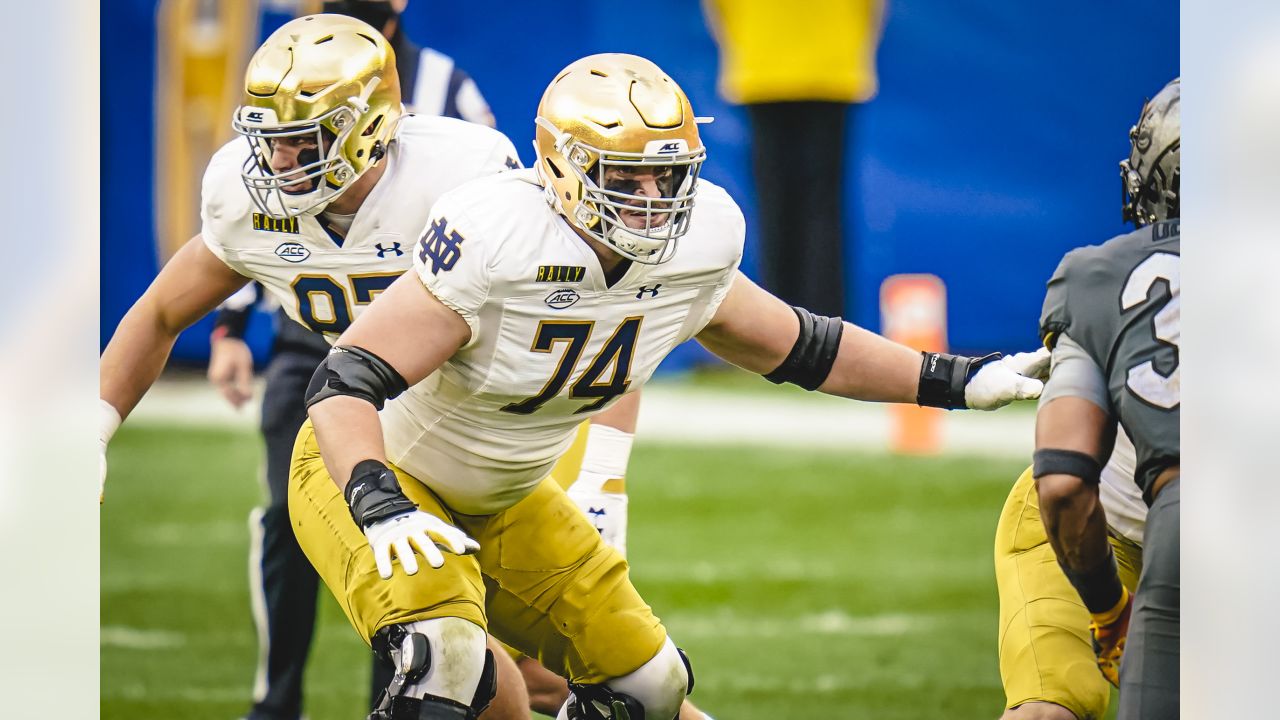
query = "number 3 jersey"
x=321 y=279
x=551 y=344
x=1120 y=302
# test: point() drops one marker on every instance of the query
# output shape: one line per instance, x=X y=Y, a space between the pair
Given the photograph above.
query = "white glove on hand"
x=1013 y=377
x=607 y=513
x=415 y=530
x=108 y=421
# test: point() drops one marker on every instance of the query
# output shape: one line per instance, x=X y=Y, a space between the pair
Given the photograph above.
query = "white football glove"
x=1012 y=377
x=415 y=530
x=607 y=512
x=108 y=421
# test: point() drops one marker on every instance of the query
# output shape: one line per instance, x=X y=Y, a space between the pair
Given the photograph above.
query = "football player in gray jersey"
x=1111 y=317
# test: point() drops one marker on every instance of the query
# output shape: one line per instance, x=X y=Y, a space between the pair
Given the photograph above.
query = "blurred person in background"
x=799 y=70
x=1112 y=317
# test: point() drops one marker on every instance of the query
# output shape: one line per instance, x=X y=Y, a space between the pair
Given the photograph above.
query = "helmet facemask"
x=1151 y=177
x=1155 y=198
x=322 y=164
x=609 y=199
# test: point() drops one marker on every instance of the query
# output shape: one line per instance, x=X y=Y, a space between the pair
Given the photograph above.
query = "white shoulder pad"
x=224 y=202
x=713 y=246
x=462 y=249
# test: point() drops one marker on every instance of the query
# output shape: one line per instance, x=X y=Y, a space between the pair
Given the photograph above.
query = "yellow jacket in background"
x=787 y=50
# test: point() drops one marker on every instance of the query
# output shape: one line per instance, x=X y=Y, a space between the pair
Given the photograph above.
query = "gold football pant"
x=543 y=581
x=1046 y=654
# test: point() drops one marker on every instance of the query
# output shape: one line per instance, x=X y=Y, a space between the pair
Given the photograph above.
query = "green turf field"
x=803 y=586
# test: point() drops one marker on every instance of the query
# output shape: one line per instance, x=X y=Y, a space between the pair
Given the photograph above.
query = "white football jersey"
x=551 y=344
x=1120 y=496
x=322 y=280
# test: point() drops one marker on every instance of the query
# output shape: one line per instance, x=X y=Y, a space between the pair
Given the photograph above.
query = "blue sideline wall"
x=991 y=149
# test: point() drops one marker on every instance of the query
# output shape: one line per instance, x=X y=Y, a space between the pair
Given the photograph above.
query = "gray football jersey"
x=1120 y=302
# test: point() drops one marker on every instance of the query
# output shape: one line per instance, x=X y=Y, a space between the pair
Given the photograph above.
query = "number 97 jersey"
x=551 y=342
x=1120 y=301
x=324 y=277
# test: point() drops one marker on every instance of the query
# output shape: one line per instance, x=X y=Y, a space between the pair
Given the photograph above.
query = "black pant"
x=798 y=159
x=282 y=580
x=1149 y=686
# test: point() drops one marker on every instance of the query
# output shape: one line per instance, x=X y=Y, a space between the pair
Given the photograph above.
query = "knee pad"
x=653 y=692
x=424 y=687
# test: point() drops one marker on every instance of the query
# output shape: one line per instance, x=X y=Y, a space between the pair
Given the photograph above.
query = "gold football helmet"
x=326 y=84
x=604 y=119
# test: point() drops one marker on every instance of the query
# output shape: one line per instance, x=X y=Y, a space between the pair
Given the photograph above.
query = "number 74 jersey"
x=551 y=343
x=1121 y=302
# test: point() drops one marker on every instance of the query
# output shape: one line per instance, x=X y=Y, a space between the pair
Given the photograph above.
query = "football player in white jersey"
x=1047 y=661
x=340 y=183
x=539 y=298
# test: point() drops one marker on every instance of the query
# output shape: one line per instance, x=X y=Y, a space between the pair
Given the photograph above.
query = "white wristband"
x=608 y=450
x=604 y=458
x=108 y=421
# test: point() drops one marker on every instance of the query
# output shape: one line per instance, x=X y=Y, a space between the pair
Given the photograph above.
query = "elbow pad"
x=354 y=371
x=811 y=358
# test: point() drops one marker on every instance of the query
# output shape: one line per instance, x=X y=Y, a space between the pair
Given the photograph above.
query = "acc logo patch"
x=292 y=252
x=562 y=298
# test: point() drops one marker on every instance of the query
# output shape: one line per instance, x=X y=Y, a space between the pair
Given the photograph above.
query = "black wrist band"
x=1099 y=587
x=232 y=322
x=943 y=377
x=1051 y=461
x=374 y=494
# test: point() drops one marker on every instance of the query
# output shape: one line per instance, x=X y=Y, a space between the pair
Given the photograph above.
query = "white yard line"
x=675 y=413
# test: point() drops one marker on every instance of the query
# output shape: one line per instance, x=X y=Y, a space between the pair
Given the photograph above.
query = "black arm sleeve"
x=811 y=358
x=354 y=371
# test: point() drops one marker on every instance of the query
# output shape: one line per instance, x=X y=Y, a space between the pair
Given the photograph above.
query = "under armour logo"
x=595 y=512
x=442 y=248
x=395 y=248
x=653 y=292
x=512 y=164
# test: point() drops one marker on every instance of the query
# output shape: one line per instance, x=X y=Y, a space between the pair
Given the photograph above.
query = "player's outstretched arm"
x=189 y=286
x=756 y=331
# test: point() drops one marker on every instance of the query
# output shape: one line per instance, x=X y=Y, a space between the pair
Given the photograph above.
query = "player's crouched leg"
x=1045 y=651
x=437 y=611
x=557 y=593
